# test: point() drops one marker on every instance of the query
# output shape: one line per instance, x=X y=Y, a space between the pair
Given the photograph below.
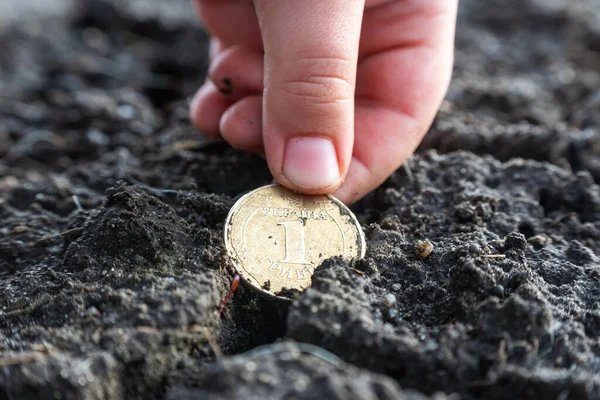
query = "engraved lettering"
x=301 y=274
x=274 y=267
x=287 y=273
x=298 y=213
x=294 y=242
x=266 y=258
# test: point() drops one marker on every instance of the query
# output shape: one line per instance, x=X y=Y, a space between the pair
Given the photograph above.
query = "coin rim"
x=237 y=263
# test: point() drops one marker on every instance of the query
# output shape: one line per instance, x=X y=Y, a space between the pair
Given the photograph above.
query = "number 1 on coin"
x=294 y=242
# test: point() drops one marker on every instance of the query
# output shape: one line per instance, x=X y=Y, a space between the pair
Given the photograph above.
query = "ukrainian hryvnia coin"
x=277 y=237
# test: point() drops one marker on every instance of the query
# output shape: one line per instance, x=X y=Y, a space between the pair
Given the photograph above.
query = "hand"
x=335 y=93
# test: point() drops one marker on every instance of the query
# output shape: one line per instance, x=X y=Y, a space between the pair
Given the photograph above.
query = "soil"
x=482 y=275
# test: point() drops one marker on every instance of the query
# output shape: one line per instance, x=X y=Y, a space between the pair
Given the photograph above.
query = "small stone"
x=498 y=291
x=474 y=248
x=424 y=249
x=389 y=300
x=396 y=287
x=97 y=137
x=538 y=241
x=20 y=229
x=92 y=312
x=171 y=281
x=126 y=111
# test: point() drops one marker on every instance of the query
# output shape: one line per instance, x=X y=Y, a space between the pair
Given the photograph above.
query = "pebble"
x=97 y=137
x=250 y=366
x=389 y=300
x=498 y=291
x=424 y=249
x=126 y=111
x=20 y=229
x=474 y=248
x=92 y=311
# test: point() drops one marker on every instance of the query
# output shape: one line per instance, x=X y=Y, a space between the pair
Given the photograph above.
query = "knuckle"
x=320 y=81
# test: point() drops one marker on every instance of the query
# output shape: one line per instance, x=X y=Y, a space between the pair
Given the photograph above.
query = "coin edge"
x=237 y=264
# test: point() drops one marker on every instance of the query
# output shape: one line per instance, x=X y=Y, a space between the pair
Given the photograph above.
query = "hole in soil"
x=251 y=320
x=527 y=229
x=548 y=201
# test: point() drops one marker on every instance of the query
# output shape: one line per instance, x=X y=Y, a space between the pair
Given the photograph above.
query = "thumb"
x=311 y=52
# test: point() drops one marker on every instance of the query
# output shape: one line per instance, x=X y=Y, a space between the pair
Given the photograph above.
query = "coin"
x=277 y=237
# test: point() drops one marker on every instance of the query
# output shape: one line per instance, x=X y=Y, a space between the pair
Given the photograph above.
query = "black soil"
x=112 y=266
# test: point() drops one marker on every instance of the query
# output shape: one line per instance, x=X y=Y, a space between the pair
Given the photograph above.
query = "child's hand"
x=335 y=93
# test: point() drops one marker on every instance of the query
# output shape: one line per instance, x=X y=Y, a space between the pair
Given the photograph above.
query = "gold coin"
x=277 y=237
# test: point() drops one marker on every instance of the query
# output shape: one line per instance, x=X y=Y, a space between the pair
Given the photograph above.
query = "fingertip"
x=233 y=81
x=206 y=108
x=310 y=164
x=309 y=78
x=241 y=124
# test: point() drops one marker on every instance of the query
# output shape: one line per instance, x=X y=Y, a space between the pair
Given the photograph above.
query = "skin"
x=366 y=76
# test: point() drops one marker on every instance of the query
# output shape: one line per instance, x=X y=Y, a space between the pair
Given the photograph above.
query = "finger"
x=237 y=72
x=379 y=149
x=232 y=21
x=393 y=24
x=311 y=50
x=399 y=92
x=411 y=74
x=352 y=189
x=207 y=107
x=241 y=125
